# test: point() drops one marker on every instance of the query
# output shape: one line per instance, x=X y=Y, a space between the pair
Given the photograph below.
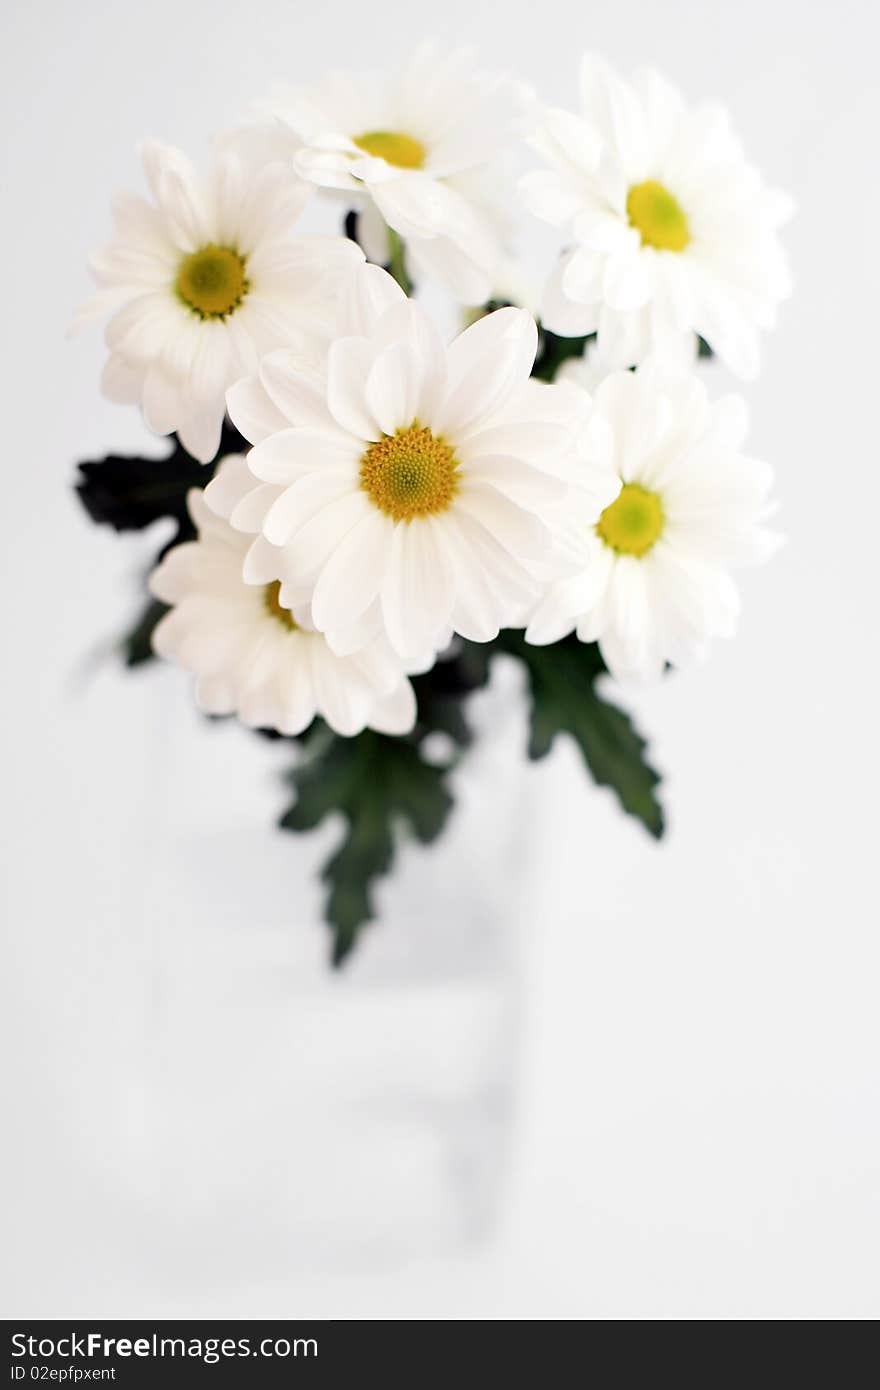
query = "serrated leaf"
x=378 y=784
x=565 y=700
x=131 y=492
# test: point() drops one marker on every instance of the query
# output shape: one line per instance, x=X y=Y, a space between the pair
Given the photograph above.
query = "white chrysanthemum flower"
x=423 y=148
x=590 y=369
x=671 y=231
x=257 y=658
x=205 y=281
x=690 y=507
x=408 y=487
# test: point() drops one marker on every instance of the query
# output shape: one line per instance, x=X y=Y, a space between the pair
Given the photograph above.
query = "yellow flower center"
x=212 y=281
x=657 y=216
x=410 y=474
x=393 y=146
x=275 y=608
x=633 y=522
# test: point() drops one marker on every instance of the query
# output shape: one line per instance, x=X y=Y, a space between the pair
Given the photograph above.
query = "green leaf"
x=379 y=784
x=442 y=692
x=137 y=644
x=554 y=350
x=565 y=700
x=131 y=492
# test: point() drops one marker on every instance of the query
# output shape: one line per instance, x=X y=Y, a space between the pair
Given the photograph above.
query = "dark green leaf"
x=565 y=700
x=130 y=493
x=136 y=645
x=378 y=784
x=442 y=692
x=554 y=350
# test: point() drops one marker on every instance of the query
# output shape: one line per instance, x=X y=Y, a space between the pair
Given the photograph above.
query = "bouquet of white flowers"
x=365 y=512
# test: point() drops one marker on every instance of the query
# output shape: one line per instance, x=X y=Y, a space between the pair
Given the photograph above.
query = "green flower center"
x=212 y=281
x=404 y=151
x=410 y=474
x=275 y=609
x=657 y=216
x=633 y=522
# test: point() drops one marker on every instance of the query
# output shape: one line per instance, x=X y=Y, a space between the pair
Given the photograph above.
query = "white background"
x=699 y=1130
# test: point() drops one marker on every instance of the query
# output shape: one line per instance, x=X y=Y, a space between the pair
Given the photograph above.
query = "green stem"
x=397 y=264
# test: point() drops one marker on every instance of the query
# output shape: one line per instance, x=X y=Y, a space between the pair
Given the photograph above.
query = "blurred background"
x=573 y=1074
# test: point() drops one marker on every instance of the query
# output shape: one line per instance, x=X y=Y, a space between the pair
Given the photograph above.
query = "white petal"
x=121 y=382
x=533 y=441
x=370 y=292
x=513 y=588
x=314 y=543
x=582 y=275
x=296 y=387
x=199 y=431
x=468 y=280
x=520 y=532
x=353 y=575
x=419 y=586
x=360 y=633
x=528 y=487
x=183 y=204
x=232 y=481
x=301 y=501
x=612 y=106
x=215 y=695
x=729 y=333
x=252 y=412
x=348 y=366
x=395 y=713
x=563 y=315
x=297 y=697
x=140 y=330
x=486 y=363
x=627 y=641
x=550 y=196
x=393 y=388
x=249 y=513
x=293 y=453
x=341 y=697
x=262 y=562
x=161 y=400
x=627 y=282
x=476 y=614
x=560 y=607
x=408 y=323
x=172 y=579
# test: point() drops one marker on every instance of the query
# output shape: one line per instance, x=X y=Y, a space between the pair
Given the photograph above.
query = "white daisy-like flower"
x=690 y=507
x=204 y=281
x=671 y=232
x=423 y=149
x=408 y=487
x=255 y=657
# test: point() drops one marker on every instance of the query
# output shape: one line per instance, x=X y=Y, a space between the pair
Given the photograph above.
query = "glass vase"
x=295 y=1117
